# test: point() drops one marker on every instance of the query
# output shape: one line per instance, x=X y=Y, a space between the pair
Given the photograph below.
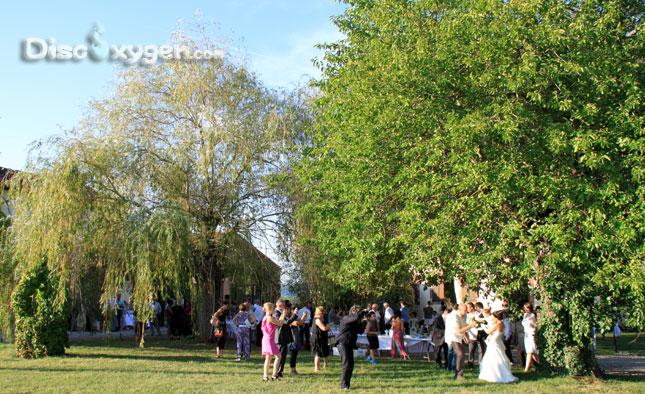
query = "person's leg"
x=451 y=357
x=240 y=345
x=406 y=325
x=529 y=361
x=316 y=363
x=482 y=346
x=508 y=350
x=246 y=344
x=437 y=355
x=283 y=358
x=347 y=363
x=293 y=358
x=460 y=355
x=276 y=365
x=325 y=362
x=258 y=335
x=393 y=348
x=307 y=341
x=267 y=363
x=472 y=345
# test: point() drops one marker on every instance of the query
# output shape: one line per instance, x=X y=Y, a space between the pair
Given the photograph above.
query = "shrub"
x=41 y=318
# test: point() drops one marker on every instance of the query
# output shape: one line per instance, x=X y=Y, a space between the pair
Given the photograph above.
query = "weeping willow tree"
x=144 y=186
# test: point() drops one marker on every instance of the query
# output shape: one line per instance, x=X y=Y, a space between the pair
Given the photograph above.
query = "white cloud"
x=294 y=64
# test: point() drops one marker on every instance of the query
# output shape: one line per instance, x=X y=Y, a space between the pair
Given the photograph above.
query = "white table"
x=412 y=344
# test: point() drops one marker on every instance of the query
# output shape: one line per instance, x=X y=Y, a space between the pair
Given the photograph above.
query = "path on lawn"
x=622 y=365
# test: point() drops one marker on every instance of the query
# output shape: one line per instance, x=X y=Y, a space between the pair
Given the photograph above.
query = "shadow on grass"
x=110 y=370
x=627 y=378
x=198 y=359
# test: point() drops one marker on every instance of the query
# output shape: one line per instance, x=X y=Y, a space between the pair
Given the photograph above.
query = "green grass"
x=606 y=346
x=113 y=365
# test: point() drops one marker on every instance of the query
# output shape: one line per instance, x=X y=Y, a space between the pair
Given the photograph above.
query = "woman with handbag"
x=219 y=322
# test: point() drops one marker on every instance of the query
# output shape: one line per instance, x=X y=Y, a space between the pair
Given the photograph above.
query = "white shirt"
x=472 y=333
x=301 y=311
x=377 y=314
x=454 y=321
x=157 y=308
x=258 y=313
x=389 y=313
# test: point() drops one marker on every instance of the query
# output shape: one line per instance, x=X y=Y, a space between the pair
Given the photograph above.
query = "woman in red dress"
x=397 y=336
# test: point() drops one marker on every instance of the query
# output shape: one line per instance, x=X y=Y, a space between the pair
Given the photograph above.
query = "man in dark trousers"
x=350 y=326
x=283 y=335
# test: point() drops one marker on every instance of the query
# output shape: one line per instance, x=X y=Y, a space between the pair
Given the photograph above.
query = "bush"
x=41 y=319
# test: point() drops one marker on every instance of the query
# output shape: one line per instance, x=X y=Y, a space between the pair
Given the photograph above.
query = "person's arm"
x=492 y=329
x=463 y=330
x=278 y=322
x=252 y=318
x=235 y=320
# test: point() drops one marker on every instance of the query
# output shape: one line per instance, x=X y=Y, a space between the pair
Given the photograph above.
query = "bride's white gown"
x=495 y=366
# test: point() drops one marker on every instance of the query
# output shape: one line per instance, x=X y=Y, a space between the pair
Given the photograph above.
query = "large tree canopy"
x=152 y=179
x=495 y=141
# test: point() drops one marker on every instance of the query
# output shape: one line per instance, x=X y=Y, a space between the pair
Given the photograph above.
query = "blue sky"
x=41 y=98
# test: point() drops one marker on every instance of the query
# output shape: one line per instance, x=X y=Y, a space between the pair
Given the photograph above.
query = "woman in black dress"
x=319 y=338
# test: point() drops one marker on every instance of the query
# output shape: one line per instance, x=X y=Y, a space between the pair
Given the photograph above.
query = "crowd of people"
x=461 y=335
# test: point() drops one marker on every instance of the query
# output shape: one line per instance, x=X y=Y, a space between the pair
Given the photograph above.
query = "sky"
x=42 y=98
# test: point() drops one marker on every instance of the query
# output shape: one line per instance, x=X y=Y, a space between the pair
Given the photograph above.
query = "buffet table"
x=412 y=344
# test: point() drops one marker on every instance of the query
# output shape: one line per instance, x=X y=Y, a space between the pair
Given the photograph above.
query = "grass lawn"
x=113 y=365
x=606 y=346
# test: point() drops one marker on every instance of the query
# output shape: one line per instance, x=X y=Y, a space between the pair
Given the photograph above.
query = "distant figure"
x=405 y=316
x=243 y=321
x=320 y=338
x=529 y=322
x=372 y=332
x=220 y=329
x=350 y=327
x=269 y=347
x=259 y=315
x=438 y=339
x=397 y=336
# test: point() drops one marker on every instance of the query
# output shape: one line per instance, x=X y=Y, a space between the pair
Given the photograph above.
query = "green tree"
x=156 y=180
x=495 y=141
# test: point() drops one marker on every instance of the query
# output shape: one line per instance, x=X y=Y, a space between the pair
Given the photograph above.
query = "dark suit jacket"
x=283 y=334
x=350 y=327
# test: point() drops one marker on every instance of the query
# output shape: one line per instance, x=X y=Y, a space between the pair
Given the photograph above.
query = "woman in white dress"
x=529 y=322
x=495 y=366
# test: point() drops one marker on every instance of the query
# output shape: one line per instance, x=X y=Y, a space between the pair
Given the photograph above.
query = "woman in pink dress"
x=269 y=347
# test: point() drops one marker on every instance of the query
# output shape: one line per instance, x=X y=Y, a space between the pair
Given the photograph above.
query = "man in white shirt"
x=259 y=315
x=472 y=335
x=389 y=315
x=456 y=327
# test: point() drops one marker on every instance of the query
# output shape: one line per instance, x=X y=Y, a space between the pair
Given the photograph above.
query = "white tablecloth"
x=231 y=330
x=127 y=319
x=413 y=344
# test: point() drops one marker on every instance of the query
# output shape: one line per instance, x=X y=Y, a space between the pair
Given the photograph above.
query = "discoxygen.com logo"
x=34 y=49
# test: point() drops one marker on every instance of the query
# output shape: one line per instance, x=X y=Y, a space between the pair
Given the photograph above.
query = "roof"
x=5 y=175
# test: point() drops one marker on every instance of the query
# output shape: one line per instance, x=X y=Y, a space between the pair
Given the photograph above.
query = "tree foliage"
x=157 y=178
x=496 y=141
x=41 y=321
